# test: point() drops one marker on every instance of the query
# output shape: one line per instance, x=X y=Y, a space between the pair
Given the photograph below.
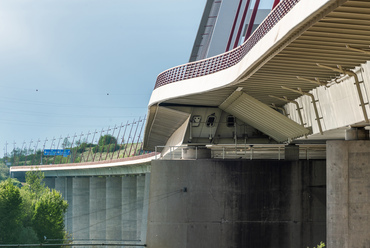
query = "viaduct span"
x=264 y=145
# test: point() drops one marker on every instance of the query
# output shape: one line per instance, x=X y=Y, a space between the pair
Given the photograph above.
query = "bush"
x=112 y=148
x=321 y=245
x=106 y=140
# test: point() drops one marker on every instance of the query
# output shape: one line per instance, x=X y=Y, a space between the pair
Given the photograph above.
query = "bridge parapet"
x=228 y=59
x=125 y=166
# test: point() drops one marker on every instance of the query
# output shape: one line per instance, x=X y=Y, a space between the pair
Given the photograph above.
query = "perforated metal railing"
x=246 y=151
x=228 y=59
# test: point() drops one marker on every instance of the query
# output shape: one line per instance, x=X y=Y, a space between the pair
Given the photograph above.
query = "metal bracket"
x=357 y=83
x=279 y=108
x=357 y=50
x=285 y=99
x=316 y=81
x=299 y=91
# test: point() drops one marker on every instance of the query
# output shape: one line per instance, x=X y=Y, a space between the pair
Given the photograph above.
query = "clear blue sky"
x=70 y=66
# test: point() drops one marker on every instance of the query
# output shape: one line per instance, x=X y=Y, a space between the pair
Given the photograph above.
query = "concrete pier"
x=81 y=208
x=348 y=194
x=107 y=209
x=237 y=203
x=129 y=208
x=97 y=208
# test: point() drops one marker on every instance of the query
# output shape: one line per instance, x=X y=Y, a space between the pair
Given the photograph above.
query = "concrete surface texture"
x=348 y=194
x=228 y=203
x=105 y=209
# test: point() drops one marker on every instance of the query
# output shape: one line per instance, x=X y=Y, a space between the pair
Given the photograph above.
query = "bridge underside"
x=318 y=52
x=321 y=40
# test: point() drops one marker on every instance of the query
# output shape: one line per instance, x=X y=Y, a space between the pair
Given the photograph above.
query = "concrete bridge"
x=108 y=200
x=300 y=80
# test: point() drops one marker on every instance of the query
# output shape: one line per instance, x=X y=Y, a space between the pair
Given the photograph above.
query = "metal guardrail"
x=228 y=59
x=251 y=152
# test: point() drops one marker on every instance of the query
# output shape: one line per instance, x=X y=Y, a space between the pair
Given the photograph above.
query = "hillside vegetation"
x=106 y=149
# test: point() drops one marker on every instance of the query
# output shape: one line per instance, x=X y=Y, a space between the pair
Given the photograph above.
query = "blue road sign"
x=57 y=152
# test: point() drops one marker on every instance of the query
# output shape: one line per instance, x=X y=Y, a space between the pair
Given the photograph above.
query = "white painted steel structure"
x=132 y=165
x=298 y=39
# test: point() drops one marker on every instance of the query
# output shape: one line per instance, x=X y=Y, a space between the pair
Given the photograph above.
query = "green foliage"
x=48 y=216
x=10 y=212
x=321 y=245
x=106 y=140
x=15 y=182
x=29 y=214
x=4 y=172
x=107 y=143
x=112 y=148
x=66 y=143
x=34 y=184
x=60 y=160
x=81 y=148
x=27 y=236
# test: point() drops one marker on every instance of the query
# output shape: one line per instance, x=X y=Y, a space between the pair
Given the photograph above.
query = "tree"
x=29 y=214
x=107 y=139
x=66 y=143
x=10 y=212
x=34 y=184
x=45 y=209
x=4 y=172
x=48 y=218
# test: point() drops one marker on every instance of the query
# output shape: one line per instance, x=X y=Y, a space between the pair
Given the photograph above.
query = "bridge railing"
x=228 y=59
x=112 y=143
x=245 y=151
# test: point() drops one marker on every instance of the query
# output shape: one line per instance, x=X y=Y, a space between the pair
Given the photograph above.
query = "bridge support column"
x=113 y=208
x=80 y=207
x=97 y=208
x=348 y=194
x=140 y=187
x=145 y=205
x=60 y=184
x=69 y=197
x=129 y=208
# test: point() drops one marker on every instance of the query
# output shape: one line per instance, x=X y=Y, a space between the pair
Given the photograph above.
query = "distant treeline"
x=107 y=148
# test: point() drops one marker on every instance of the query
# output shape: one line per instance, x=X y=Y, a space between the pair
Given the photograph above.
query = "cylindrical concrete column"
x=69 y=198
x=129 y=211
x=97 y=208
x=60 y=185
x=113 y=208
x=348 y=194
x=49 y=182
x=80 y=205
x=140 y=187
x=144 y=216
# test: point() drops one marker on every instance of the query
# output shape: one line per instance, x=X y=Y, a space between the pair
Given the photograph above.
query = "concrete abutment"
x=236 y=203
